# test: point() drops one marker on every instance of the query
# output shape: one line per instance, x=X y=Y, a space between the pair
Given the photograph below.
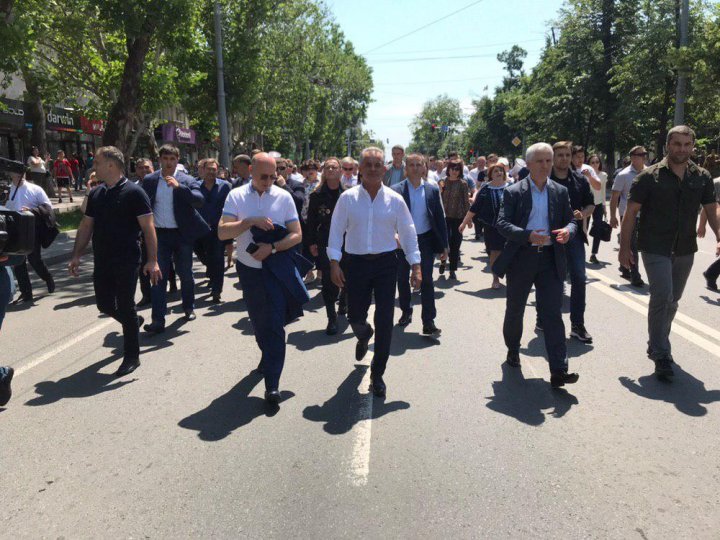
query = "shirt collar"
x=120 y=183
x=422 y=184
x=533 y=186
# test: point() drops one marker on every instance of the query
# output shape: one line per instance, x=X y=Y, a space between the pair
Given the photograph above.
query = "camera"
x=17 y=229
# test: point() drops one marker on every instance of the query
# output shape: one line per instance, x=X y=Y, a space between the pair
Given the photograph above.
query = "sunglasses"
x=266 y=177
x=281 y=168
x=640 y=154
x=348 y=168
x=455 y=168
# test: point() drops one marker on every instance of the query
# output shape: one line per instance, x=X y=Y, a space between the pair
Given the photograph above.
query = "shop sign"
x=12 y=113
x=93 y=127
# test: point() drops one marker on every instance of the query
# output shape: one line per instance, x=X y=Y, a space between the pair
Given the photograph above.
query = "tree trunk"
x=38 y=136
x=664 y=117
x=609 y=100
x=124 y=113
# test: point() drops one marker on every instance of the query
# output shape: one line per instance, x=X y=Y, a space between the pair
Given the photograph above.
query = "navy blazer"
x=187 y=198
x=435 y=211
x=515 y=214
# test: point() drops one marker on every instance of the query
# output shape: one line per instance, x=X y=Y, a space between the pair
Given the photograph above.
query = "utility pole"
x=348 y=131
x=682 y=73
x=222 y=112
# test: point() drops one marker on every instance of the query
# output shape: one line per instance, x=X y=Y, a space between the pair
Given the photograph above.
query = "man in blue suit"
x=175 y=198
x=423 y=200
x=537 y=220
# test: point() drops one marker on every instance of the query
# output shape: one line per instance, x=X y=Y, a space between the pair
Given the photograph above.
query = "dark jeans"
x=598 y=216
x=365 y=277
x=575 y=254
x=634 y=271
x=211 y=252
x=532 y=268
x=172 y=248
x=115 y=296
x=266 y=306
x=427 y=290
x=667 y=277
x=21 y=270
x=330 y=291
x=713 y=271
x=145 y=286
x=455 y=238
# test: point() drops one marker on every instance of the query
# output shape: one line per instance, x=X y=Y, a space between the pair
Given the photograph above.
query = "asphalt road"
x=462 y=447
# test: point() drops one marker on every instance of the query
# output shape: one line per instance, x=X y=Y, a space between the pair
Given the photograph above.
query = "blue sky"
x=480 y=31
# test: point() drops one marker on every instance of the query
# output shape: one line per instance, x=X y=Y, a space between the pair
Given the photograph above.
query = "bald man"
x=262 y=205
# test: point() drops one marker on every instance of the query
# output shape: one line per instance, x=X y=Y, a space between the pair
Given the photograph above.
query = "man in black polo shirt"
x=670 y=193
x=116 y=212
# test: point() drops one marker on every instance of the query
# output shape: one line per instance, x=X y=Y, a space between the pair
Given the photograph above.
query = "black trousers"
x=145 y=285
x=115 y=296
x=366 y=277
x=427 y=289
x=210 y=252
x=713 y=271
x=529 y=268
x=21 y=270
x=455 y=238
x=330 y=291
x=598 y=215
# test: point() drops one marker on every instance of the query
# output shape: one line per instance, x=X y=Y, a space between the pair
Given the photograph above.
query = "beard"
x=678 y=159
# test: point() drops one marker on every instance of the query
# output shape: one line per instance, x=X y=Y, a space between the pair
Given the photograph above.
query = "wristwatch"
x=274 y=249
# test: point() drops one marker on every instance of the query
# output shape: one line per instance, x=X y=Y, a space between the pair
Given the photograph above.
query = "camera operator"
x=25 y=195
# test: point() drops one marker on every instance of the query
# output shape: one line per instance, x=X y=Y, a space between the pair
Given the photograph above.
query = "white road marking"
x=681 y=317
x=57 y=349
x=362 y=431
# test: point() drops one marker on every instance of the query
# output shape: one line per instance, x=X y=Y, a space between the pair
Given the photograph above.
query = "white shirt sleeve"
x=406 y=232
x=231 y=208
x=290 y=210
x=42 y=198
x=338 y=225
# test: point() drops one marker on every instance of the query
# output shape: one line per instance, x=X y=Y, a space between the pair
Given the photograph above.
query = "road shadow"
x=403 y=341
x=232 y=410
x=346 y=408
x=527 y=400
x=487 y=294
x=710 y=300
x=306 y=341
x=443 y=282
x=213 y=310
x=687 y=393
x=536 y=347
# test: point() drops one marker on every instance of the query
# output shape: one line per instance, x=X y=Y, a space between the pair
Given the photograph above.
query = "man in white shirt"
x=27 y=196
x=478 y=173
x=262 y=204
x=369 y=217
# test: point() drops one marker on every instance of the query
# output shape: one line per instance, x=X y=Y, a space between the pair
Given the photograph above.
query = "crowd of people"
x=366 y=229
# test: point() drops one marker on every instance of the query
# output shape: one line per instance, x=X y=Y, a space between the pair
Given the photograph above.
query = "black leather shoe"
x=154 y=328
x=190 y=316
x=342 y=309
x=710 y=283
x=51 y=285
x=22 y=299
x=405 y=318
x=637 y=282
x=663 y=368
x=272 y=396
x=332 y=328
x=561 y=379
x=377 y=386
x=362 y=346
x=216 y=299
x=128 y=366
x=5 y=388
x=144 y=301
x=441 y=269
x=452 y=275
x=431 y=330
x=141 y=321
x=513 y=359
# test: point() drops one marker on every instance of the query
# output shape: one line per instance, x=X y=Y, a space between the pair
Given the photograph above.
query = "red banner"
x=94 y=127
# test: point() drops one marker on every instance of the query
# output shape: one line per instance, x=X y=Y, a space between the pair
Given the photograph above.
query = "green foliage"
x=440 y=111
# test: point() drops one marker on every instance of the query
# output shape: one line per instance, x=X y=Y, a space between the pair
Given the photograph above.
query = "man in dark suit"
x=537 y=220
x=423 y=200
x=175 y=198
x=294 y=187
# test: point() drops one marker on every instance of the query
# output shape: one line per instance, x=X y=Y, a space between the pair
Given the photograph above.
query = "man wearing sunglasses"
x=348 y=178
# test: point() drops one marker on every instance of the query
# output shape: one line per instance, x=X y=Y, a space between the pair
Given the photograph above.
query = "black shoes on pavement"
x=154 y=328
x=272 y=397
x=452 y=275
x=216 y=299
x=431 y=330
x=332 y=327
x=50 y=285
x=362 y=346
x=710 y=283
x=594 y=259
x=5 y=388
x=578 y=332
x=190 y=315
x=663 y=368
x=561 y=379
x=128 y=366
x=637 y=282
x=513 y=359
x=405 y=318
x=441 y=269
x=23 y=299
x=377 y=386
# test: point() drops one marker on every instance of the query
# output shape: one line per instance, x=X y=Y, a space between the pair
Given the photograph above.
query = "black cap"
x=9 y=165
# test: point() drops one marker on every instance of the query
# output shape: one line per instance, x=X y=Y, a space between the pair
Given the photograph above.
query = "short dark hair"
x=680 y=130
x=170 y=149
x=310 y=164
x=242 y=158
x=600 y=168
x=562 y=144
x=577 y=149
x=113 y=154
x=398 y=147
x=634 y=149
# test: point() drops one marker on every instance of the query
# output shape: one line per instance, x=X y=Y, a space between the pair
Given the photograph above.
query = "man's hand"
x=464 y=224
x=562 y=236
x=74 y=266
x=336 y=274
x=702 y=229
x=577 y=214
x=626 y=258
x=263 y=252
x=280 y=182
x=537 y=239
x=314 y=250
x=416 y=277
x=171 y=182
x=614 y=222
x=263 y=223
x=152 y=270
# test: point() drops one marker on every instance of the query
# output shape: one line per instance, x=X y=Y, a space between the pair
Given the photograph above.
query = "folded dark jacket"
x=45 y=225
x=287 y=269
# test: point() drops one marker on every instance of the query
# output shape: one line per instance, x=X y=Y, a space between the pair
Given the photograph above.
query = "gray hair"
x=536 y=148
x=113 y=154
x=680 y=130
x=372 y=150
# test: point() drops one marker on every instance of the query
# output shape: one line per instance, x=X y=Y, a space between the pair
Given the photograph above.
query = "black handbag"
x=601 y=230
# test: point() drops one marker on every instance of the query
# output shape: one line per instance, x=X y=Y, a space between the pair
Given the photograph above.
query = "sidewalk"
x=61 y=249
x=66 y=205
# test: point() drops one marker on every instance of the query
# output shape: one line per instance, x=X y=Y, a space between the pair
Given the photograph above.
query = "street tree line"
x=292 y=79
x=607 y=83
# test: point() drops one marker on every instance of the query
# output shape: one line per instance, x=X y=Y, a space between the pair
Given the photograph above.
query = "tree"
x=439 y=119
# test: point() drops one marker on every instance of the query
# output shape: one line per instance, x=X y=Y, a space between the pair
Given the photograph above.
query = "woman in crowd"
x=599 y=212
x=486 y=208
x=456 y=200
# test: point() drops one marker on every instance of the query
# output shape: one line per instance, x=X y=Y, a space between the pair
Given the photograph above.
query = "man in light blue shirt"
x=539 y=220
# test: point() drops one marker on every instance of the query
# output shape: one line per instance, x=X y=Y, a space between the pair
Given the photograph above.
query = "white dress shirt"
x=26 y=195
x=369 y=226
x=245 y=202
x=164 y=209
